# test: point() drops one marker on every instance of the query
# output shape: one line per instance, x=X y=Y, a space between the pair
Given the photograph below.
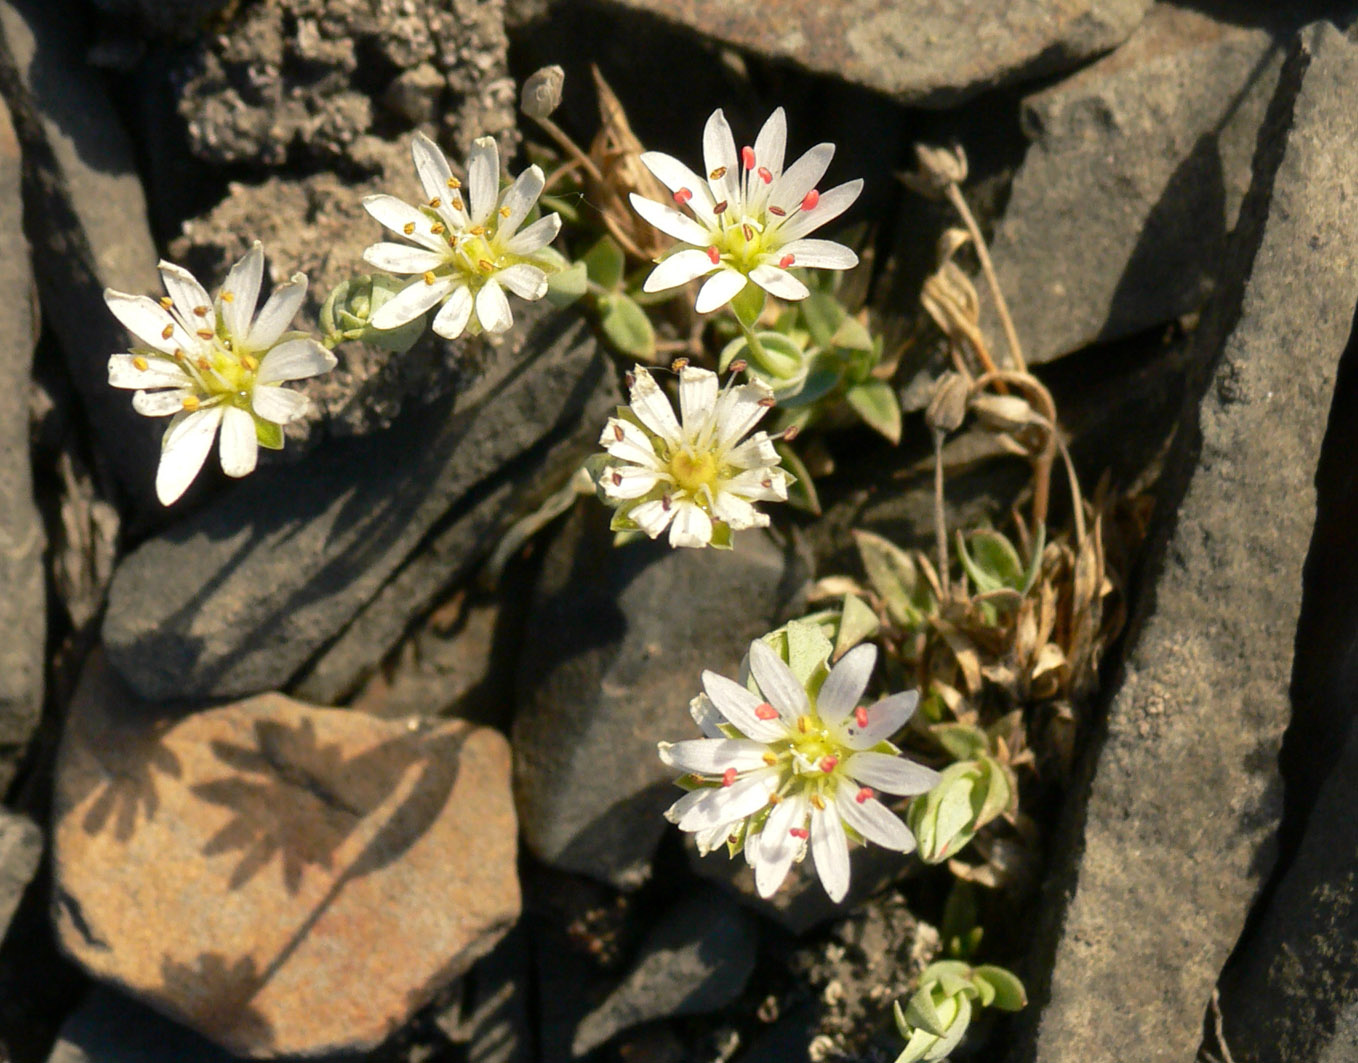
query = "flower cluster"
x=693 y=475
x=795 y=766
x=215 y=364
x=748 y=219
x=467 y=251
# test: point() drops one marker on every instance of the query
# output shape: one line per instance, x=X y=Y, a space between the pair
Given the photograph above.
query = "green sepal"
x=748 y=304
x=567 y=285
x=721 y=535
x=626 y=326
x=857 y=623
x=605 y=263
x=270 y=435
x=876 y=403
x=1008 y=993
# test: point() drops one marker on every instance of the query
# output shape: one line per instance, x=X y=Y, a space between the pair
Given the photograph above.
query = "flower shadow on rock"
x=220 y=996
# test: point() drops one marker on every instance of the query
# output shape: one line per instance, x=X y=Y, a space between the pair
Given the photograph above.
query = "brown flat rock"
x=287 y=880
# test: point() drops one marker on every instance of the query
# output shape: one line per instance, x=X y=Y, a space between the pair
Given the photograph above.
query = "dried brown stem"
x=959 y=204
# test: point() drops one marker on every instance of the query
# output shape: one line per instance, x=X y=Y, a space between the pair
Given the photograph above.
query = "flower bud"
x=968 y=796
x=348 y=308
x=1005 y=413
x=938 y=168
x=542 y=92
x=948 y=405
x=937 y=1016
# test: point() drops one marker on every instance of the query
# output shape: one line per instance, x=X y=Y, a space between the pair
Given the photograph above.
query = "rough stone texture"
x=1119 y=216
x=615 y=648
x=23 y=595
x=85 y=216
x=1178 y=829
x=20 y=851
x=284 y=879
x=696 y=960
x=1294 y=992
x=282 y=563
x=930 y=53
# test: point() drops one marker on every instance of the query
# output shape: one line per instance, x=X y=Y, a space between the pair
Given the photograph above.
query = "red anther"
x=768 y=402
x=865 y=794
x=828 y=764
x=618 y=433
x=747 y=157
x=748 y=231
x=717 y=174
x=666 y=503
x=778 y=212
x=728 y=776
x=800 y=832
x=791 y=432
x=739 y=365
x=720 y=208
x=629 y=379
x=683 y=196
x=787 y=260
x=765 y=175
x=714 y=256
x=617 y=479
x=766 y=712
x=810 y=200
x=860 y=716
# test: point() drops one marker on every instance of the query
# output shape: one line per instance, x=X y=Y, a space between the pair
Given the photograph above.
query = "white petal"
x=537 y=236
x=159 y=403
x=706 y=716
x=719 y=290
x=630 y=481
x=713 y=756
x=279 y=405
x=624 y=440
x=697 y=398
x=894 y=775
x=884 y=719
x=652 y=517
x=452 y=318
x=519 y=198
x=239 y=446
x=778 y=282
x=789 y=190
x=183 y=450
x=832 y=204
x=679 y=268
x=820 y=254
x=740 y=706
x=874 y=821
x=525 y=281
x=670 y=222
x=295 y=360
x=771 y=143
x=708 y=840
x=719 y=154
x=240 y=292
x=492 y=308
x=830 y=850
x=778 y=846
x=680 y=808
x=736 y=513
x=402 y=258
x=410 y=302
x=396 y=214
x=674 y=175
x=651 y=406
x=739 y=410
x=777 y=682
x=159 y=372
x=277 y=315
x=691 y=527
x=147 y=320
x=725 y=804
x=845 y=684
x=759 y=485
x=431 y=166
x=757 y=451
x=483 y=179
x=188 y=296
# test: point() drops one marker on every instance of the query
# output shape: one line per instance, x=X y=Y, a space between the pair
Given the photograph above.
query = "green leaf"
x=817 y=384
x=1009 y=992
x=852 y=335
x=994 y=556
x=567 y=206
x=807 y=650
x=270 y=435
x=857 y=623
x=876 y=403
x=777 y=358
x=748 y=304
x=959 y=920
x=895 y=576
x=801 y=492
x=605 y=263
x=566 y=286
x=1035 y=563
x=955 y=812
x=923 y=1011
x=961 y=740
x=627 y=328
x=822 y=314
x=998 y=787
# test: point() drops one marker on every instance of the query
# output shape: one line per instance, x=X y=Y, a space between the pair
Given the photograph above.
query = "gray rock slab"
x=20 y=851
x=616 y=644
x=85 y=215
x=931 y=53
x=1176 y=832
x=23 y=593
x=1293 y=994
x=1118 y=218
x=697 y=959
x=240 y=596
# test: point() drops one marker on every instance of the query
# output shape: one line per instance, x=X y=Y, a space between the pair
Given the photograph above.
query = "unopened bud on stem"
x=542 y=92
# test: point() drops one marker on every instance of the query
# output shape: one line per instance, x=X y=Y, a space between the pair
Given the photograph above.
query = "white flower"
x=215 y=365
x=468 y=251
x=696 y=478
x=793 y=769
x=749 y=217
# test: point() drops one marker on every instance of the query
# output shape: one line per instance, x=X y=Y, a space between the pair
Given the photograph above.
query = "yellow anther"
x=486 y=265
x=437 y=228
x=202 y=311
x=454 y=183
x=478 y=230
x=166 y=302
x=774 y=799
x=408 y=228
x=191 y=402
x=504 y=212
x=429 y=277
x=202 y=363
x=770 y=759
x=248 y=360
x=436 y=202
x=204 y=334
x=803 y=724
x=167 y=332
x=227 y=297
x=818 y=802
x=140 y=362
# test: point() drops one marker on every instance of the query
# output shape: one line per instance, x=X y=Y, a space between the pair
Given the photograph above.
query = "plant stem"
x=756 y=348
x=940 y=517
x=959 y=204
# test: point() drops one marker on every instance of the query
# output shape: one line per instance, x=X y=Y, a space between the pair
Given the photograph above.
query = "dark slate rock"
x=111 y=1028
x=497 y=1027
x=85 y=215
x=615 y=648
x=241 y=595
x=20 y=851
x=1176 y=834
x=1118 y=218
x=931 y=53
x=696 y=960
x=23 y=596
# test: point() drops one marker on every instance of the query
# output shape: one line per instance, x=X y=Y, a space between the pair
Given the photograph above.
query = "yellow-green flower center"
x=693 y=472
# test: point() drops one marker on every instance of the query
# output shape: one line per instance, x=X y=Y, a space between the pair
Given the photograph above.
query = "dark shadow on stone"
x=219 y=997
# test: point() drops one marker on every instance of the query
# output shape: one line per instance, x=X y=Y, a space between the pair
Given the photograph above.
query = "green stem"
x=752 y=340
